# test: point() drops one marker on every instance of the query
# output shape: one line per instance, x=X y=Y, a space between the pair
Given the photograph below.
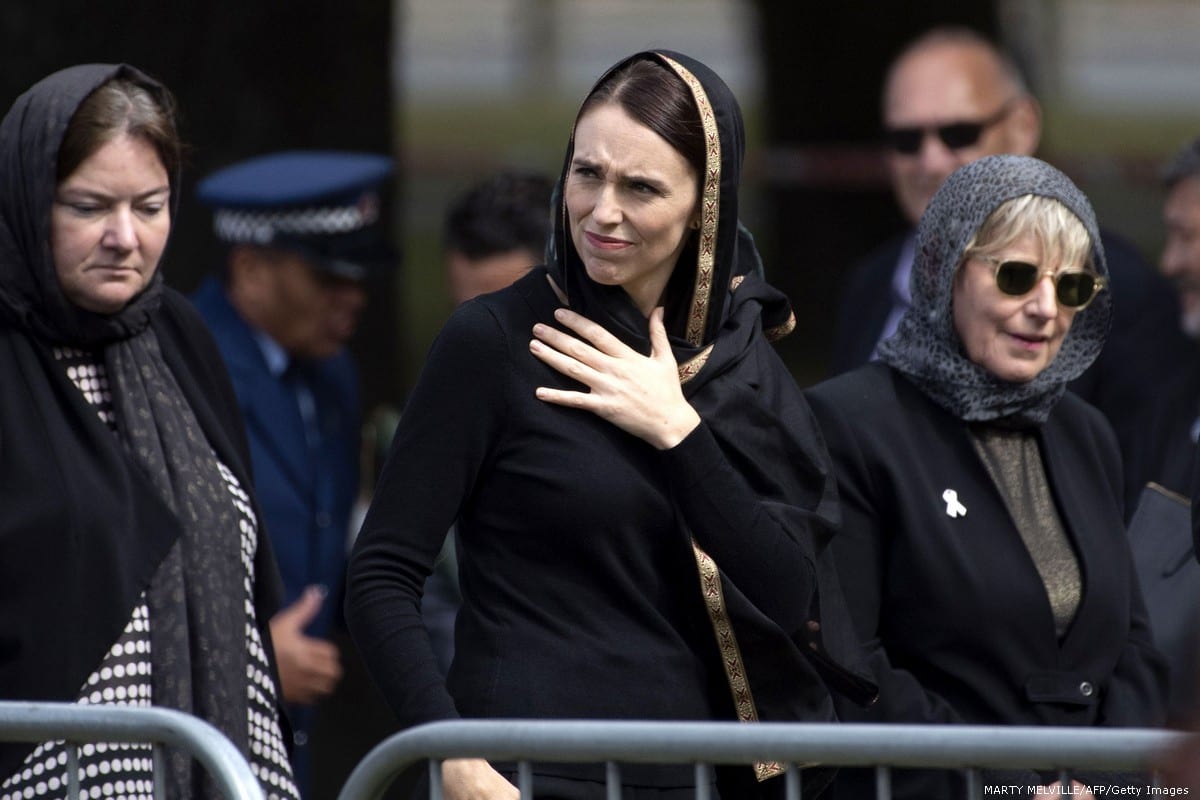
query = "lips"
x=602 y=242
x=113 y=268
x=1029 y=341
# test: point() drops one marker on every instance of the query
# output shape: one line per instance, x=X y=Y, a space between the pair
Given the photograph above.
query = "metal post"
x=435 y=779
x=974 y=784
x=791 y=783
x=612 y=780
x=883 y=783
x=72 y=770
x=700 y=771
x=525 y=780
x=159 y=754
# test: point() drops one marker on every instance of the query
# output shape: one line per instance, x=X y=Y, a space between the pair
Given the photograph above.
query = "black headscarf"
x=32 y=132
x=722 y=255
x=724 y=311
x=926 y=346
x=196 y=594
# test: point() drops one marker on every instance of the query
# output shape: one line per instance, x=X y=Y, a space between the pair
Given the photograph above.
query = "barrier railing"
x=78 y=724
x=971 y=748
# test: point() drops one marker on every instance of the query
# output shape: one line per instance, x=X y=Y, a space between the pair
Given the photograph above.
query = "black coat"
x=1164 y=447
x=82 y=530
x=954 y=614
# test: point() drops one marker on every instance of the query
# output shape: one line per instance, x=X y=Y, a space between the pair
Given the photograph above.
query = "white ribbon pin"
x=954 y=509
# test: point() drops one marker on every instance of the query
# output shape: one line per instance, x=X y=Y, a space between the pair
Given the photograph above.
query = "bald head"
x=951 y=77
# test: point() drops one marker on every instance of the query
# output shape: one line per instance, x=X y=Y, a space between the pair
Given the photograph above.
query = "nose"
x=607 y=209
x=935 y=158
x=1043 y=302
x=119 y=231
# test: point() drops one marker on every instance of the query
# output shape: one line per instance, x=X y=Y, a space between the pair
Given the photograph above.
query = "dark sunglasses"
x=1073 y=289
x=955 y=135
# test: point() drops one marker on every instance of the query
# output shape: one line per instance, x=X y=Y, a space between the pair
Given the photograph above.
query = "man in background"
x=1167 y=445
x=1164 y=452
x=949 y=98
x=301 y=234
x=495 y=232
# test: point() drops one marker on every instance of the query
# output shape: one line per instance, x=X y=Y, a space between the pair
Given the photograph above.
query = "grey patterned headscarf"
x=926 y=347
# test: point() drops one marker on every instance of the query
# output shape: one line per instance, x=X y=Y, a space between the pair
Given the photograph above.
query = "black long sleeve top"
x=581 y=594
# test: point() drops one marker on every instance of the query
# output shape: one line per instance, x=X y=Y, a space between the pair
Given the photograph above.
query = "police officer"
x=302 y=231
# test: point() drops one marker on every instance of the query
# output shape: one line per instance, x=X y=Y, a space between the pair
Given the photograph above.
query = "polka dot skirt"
x=126 y=771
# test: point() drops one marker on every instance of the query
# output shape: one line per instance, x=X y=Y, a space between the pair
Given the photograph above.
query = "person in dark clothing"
x=1167 y=442
x=302 y=237
x=642 y=499
x=983 y=548
x=133 y=565
x=1164 y=450
x=950 y=97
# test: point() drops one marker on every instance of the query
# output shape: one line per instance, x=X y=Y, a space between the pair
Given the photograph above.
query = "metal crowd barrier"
x=971 y=748
x=76 y=724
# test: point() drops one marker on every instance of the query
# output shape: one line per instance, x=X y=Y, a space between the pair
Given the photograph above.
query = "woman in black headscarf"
x=640 y=493
x=982 y=551
x=132 y=569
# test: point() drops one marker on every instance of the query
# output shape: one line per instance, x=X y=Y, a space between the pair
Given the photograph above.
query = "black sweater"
x=581 y=590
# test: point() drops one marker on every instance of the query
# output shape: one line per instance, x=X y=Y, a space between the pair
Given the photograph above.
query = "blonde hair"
x=1058 y=232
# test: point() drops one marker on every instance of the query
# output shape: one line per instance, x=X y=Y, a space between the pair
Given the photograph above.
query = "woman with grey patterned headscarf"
x=983 y=550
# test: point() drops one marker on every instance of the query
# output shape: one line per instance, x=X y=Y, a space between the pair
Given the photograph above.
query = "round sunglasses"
x=1072 y=288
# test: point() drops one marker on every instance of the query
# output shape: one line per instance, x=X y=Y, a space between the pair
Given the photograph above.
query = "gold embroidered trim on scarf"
x=780 y=331
x=690 y=368
x=710 y=201
x=710 y=579
x=731 y=654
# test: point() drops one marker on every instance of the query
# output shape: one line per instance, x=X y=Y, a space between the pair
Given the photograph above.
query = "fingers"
x=475 y=779
x=593 y=332
x=309 y=668
x=563 y=356
x=304 y=609
x=562 y=397
x=660 y=345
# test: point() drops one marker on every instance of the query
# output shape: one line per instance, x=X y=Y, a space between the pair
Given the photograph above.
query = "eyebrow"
x=657 y=184
x=80 y=192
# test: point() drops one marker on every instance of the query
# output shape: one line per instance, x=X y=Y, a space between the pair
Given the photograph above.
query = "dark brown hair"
x=122 y=106
x=652 y=94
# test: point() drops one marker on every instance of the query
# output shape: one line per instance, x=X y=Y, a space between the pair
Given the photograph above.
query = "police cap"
x=324 y=204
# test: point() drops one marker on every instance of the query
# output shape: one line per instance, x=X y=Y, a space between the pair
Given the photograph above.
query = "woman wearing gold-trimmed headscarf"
x=642 y=500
